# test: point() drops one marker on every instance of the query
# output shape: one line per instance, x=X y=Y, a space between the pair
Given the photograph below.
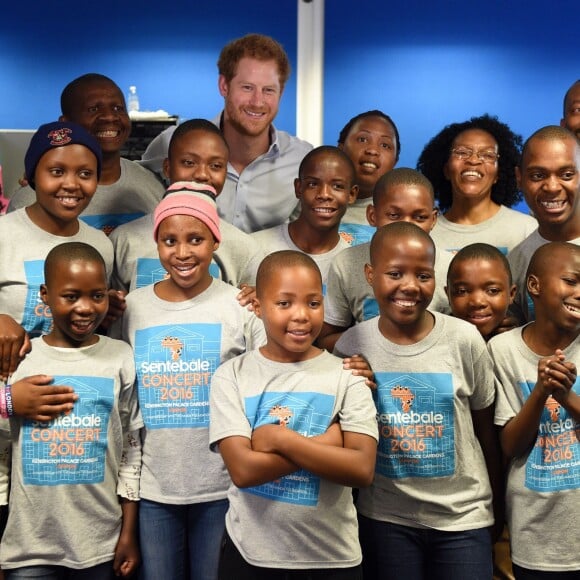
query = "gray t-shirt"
x=23 y=248
x=278 y=238
x=137 y=262
x=67 y=473
x=349 y=297
x=178 y=346
x=354 y=226
x=299 y=521
x=505 y=230
x=543 y=487
x=135 y=193
x=430 y=469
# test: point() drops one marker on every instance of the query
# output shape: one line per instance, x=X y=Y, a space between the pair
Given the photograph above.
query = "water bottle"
x=132 y=99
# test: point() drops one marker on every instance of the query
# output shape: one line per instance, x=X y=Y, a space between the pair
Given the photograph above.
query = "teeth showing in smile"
x=298 y=332
x=69 y=200
x=572 y=309
x=107 y=134
x=323 y=209
x=471 y=173
x=255 y=114
x=558 y=204
x=370 y=165
x=405 y=303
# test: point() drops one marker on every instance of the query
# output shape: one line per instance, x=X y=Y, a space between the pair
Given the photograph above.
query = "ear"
x=353 y=194
x=533 y=285
x=513 y=290
x=369 y=273
x=223 y=86
x=563 y=123
x=62 y=119
x=519 y=178
x=371 y=217
x=257 y=308
x=297 y=191
x=216 y=245
x=166 y=167
x=435 y=214
x=43 y=293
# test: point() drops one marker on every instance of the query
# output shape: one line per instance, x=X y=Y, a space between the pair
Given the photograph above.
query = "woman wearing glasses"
x=471 y=166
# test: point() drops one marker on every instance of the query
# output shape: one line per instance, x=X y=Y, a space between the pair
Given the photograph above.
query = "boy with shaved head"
x=438 y=458
x=549 y=176
x=538 y=409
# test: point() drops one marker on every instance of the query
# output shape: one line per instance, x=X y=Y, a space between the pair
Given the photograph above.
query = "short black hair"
x=400 y=176
x=195 y=125
x=326 y=150
x=69 y=94
x=397 y=230
x=374 y=113
x=71 y=252
x=565 y=104
x=479 y=251
x=436 y=154
x=548 y=133
x=274 y=262
x=544 y=256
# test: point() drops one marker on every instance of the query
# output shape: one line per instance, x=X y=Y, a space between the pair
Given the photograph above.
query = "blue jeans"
x=181 y=541
x=233 y=566
x=393 y=552
x=100 y=572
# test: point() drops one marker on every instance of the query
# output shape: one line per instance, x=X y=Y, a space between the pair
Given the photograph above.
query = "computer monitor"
x=13 y=146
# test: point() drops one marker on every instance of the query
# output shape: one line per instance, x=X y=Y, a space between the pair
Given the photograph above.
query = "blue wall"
x=425 y=64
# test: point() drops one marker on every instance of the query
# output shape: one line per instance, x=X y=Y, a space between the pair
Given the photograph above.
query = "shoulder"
x=290 y=143
x=133 y=170
x=269 y=234
x=356 y=337
x=527 y=247
x=129 y=229
x=504 y=341
x=519 y=217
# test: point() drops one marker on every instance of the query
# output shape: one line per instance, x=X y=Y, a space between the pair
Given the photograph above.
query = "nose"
x=182 y=251
x=324 y=191
x=477 y=299
x=409 y=283
x=300 y=312
x=83 y=305
x=371 y=147
x=256 y=98
x=200 y=173
x=474 y=158
x=552 y=183
x=70 y=181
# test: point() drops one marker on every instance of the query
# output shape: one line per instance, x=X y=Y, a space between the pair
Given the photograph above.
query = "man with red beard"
x=259 y=190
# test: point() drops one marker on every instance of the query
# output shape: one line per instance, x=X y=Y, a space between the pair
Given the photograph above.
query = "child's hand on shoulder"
x=360 y=368
x=556 y=376
x=117 y=305
x=247 y=296
x=14 y=345
x=36 y=399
